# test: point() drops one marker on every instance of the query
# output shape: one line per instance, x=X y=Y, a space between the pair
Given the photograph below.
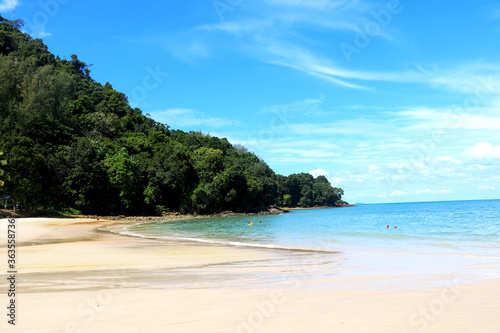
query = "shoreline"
x=318 y=207
x=73 y=277
x=271 y=210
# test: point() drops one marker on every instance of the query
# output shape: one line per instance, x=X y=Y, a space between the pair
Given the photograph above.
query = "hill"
x=71 y=142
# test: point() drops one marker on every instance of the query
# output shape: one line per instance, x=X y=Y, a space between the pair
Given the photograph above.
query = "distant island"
x=70 y=144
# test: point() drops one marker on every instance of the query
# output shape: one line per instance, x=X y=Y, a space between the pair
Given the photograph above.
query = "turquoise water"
x=458 y=227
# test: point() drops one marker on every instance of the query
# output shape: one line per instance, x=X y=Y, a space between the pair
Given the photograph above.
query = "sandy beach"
x=74 y=278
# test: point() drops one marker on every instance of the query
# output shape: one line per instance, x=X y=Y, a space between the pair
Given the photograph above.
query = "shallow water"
x=459 y=238
x=467 y=227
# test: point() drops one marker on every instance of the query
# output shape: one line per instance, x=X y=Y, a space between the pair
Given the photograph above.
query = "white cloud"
x=426 y=191
x=448 y=159
x=359 y=127
x=309 y=106
x=319 y=172
x=398 y=194
x=450 y=118
x=337 y=180
x=7 y=5
x=300 y=153
x=477 y=78
x=187 y=117
x=487 y=188
x=316 y=4
x=39 y=32
x=483 y=150
x=373 y=167
x=186 y=51
x=239 y=28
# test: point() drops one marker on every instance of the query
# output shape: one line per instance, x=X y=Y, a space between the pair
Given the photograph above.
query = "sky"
x=393 y=101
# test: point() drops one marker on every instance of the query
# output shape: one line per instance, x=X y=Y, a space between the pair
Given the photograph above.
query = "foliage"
x=2 y=171
x=69 y=141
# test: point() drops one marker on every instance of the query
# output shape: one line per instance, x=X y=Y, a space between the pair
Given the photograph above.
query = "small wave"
x=451 y=246
x=380 y=235
x=230 y=243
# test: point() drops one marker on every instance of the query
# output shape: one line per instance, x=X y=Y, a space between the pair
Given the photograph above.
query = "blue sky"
x=393 y=101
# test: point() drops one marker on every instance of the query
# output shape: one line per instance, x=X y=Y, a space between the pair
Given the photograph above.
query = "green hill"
x=70 y=142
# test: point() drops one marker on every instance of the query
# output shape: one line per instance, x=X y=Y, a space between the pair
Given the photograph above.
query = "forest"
x=69 y=142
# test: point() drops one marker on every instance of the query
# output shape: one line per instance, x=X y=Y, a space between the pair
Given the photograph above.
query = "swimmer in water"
x=387 y=226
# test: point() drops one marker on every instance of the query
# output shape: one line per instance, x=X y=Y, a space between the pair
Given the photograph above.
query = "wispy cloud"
x=7 y=5
x=39 y=32
x=418 y=192
x=180 y=117
x=190 y=50
x=453 y=117
x=316 y=4
x=277 y=32
x=307 y=107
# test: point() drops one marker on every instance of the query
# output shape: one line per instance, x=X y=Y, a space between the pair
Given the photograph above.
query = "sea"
x=452 y=238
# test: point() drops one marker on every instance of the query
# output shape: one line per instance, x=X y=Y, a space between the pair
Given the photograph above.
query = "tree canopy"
x=69 y=141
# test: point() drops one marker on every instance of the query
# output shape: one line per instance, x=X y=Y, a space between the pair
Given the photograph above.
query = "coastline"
x=74 y=278
x=271 y=210
x=317 y=207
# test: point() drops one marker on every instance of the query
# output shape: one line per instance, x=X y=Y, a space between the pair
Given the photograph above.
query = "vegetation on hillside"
x=70 y=142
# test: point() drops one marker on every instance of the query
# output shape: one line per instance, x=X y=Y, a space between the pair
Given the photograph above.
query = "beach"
x=73 y=277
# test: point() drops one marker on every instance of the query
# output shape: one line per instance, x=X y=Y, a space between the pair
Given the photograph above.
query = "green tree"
x=171 y=178
x=23 y=168
x=85 y=178
x=2 y=171
x=287 y=200
x=207 y=162
x=124 y=175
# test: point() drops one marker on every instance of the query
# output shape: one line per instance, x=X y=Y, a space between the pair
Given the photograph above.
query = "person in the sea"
x=395 y=227
x=387 y=226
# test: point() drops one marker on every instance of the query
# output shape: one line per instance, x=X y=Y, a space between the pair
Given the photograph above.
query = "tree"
x=85 y=181
x=207 y=162
x=124 y=175
x=2 y=171
x=23 y=168
x=287 y=200
x=171 y=178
